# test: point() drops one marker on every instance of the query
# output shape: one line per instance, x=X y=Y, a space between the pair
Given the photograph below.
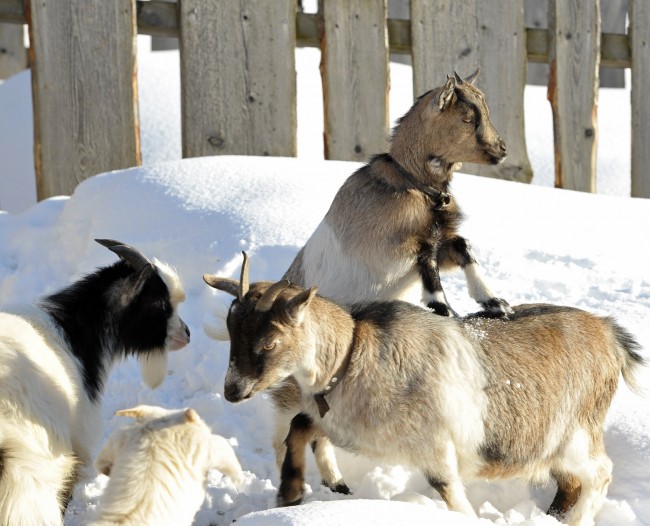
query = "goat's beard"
x=153 y=367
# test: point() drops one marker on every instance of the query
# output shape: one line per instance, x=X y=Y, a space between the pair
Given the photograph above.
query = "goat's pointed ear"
x=446 y=94
x=135 y=283
x=298 y=305
x=231 y=286
x=472 y=78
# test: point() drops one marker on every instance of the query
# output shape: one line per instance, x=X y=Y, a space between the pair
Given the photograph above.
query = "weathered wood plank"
x=354 y=68
x=83 y=63
x=462 y=36
x=238 y=85
x=159 y=43
x=13 y=55
x=640 y=40
x=574 y=55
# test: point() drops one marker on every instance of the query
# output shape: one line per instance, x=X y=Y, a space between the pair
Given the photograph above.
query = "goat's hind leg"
x=456 y=252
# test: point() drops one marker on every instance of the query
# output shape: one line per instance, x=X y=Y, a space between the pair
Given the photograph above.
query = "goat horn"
x=266 y=301
x=458 y=79
x=131 y=255
x=243 y=280
x=472 y=78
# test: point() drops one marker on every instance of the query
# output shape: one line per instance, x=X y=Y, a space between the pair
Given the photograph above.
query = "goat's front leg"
x=456 y=252
x=292 y=476
x=433 y=295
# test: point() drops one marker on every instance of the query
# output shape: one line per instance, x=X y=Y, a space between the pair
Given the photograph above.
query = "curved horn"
x=472 y=78
x=130 y=255
x=266 y=301
x=243 y=281
x=458 y=79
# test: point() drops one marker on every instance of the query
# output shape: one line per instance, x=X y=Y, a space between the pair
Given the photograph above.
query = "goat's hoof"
x=284 y=502
x=497 y=306
x=338 y=487
x=440 y=309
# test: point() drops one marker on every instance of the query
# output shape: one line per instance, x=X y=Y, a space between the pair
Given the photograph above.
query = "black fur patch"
x=110 y=313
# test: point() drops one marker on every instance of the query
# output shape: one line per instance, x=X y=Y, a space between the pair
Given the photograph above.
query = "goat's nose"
x=502 y=145
x=187 y=330
x=231 y=392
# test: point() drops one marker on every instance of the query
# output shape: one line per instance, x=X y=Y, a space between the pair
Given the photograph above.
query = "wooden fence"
x=238 y=86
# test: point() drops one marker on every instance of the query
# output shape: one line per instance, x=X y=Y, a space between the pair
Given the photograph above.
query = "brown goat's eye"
x=269 y=346
x=468 y=119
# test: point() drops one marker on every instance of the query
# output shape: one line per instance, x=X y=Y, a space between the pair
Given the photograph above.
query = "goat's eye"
x=468 y=119
x=268 y=346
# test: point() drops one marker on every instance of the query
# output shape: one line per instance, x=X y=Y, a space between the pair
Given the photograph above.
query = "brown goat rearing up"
x=393 y=225
x=457 y=398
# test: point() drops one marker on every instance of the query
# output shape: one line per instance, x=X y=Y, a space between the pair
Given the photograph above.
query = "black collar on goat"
x=440 y=199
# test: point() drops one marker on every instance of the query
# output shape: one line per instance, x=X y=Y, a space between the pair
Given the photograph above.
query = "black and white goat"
x=457 y=398
x=55 y=358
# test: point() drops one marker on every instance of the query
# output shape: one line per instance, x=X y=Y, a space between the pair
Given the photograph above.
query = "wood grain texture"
x=13 y=54
x=238 y=79
x=640 y=40
x=462 y=36
x=354 y=70
x=574 y=55
x=84 y=90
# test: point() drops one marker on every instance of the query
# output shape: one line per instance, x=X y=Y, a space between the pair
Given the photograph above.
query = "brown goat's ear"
x=298 y=305
x=472 y=78
x=231 y=286
x=446 y=94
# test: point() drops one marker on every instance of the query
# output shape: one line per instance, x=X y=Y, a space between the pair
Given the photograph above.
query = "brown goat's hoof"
x=283 y=503
x=339 y=487
x=441 y=309
x=497 y=307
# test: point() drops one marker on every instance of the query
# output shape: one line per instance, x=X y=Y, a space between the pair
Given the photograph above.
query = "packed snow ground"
x=536 y=244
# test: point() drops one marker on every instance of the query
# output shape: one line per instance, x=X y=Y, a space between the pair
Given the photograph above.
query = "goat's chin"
x=153 y=367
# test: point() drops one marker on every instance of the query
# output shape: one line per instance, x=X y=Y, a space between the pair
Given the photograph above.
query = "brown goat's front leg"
x=434 y=295
x=568 y=492
x=292 y=477
x=456 y=252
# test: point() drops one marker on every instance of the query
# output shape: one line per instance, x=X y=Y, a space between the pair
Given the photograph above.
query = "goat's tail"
x=631 y=358
x=32 y=482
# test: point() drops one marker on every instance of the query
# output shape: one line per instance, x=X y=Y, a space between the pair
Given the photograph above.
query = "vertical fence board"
x=354 y=69
x=460 y=36
x=640 y=46
x=574 y=57
x=238 y=85
x=13 y=55
x=84 y=90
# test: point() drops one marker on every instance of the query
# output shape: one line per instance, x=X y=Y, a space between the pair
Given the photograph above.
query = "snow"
x=535 y=243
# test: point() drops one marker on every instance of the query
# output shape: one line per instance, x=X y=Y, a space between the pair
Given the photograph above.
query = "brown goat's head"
x=265 y=324
x=450 y=123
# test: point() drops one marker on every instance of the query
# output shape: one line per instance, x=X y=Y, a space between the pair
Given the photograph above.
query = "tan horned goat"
x=393 y=225
x=457 y=398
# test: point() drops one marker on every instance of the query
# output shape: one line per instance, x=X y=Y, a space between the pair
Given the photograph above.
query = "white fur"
x=349 y=279
x=158 y=467
x=47 y=423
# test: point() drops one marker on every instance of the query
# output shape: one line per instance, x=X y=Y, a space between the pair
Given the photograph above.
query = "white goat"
x=55 y=358
x=457 y=398
x=158 y=468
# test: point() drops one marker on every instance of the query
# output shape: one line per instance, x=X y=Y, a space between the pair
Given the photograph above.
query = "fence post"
x=640 y=47
x=84 y=90
x=238 y=77
x=460 y=36
x=574 y=58
x=354 y=69
x=13 y=55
